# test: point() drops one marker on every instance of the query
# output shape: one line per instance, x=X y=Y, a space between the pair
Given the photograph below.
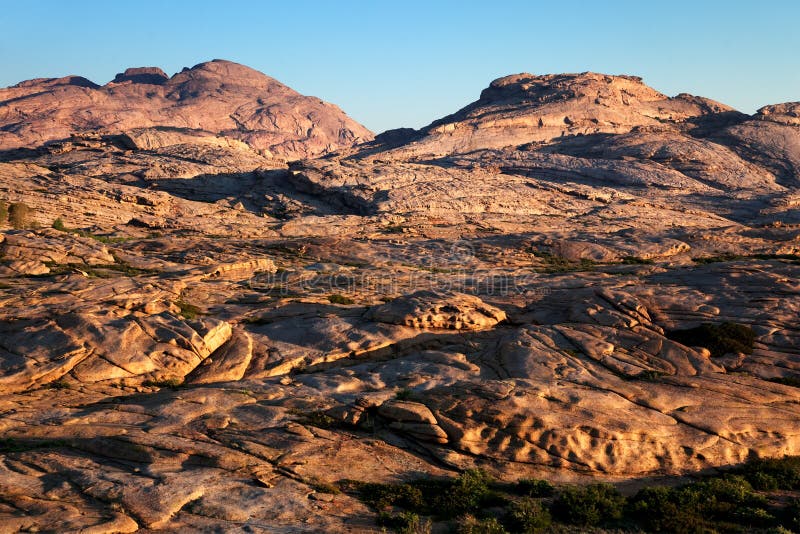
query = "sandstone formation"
x=211 y=339
x=216 y=99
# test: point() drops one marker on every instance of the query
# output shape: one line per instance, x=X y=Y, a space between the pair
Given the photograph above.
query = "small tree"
x=19 y=215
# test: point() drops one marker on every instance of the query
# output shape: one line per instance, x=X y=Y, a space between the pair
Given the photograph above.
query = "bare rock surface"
x=429 y=309
x=210 y=339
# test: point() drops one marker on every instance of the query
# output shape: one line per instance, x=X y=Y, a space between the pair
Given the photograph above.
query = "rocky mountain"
x=216 y=98
x=574 y=278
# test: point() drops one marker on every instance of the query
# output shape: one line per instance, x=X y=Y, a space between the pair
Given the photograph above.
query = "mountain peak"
x=524 y=108
x=145 y=75
x=221 y=97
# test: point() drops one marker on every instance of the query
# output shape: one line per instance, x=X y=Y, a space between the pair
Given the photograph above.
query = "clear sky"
x=405 y=63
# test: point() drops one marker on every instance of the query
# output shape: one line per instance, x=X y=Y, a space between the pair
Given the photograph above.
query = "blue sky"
x=392 y=64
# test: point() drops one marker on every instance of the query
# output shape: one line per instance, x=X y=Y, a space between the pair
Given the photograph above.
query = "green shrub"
x=657 y=509
x=529 y=516
x=470 y=525
x=405 y=523
x=792 y=515
x=773 y=473
x=589 y=505
x=58 y=224
x=533 y=487
x=468 y=493
x=403 y=394
x=718 y=339
x=384 y=496
x=59 y=384
x=19 y=215
x=700 y=507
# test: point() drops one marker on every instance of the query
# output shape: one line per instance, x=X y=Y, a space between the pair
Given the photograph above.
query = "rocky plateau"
x=226 y=297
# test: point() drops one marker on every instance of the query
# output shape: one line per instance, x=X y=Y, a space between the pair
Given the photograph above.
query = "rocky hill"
x=218 y=98
x=575 y=278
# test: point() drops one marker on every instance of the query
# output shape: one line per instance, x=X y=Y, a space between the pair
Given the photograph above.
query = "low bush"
x=533 y=487
x=405 y=523
x=469 y=493
x=528 y=516
x=590 y=505
x=19 y=215
x=471 y=525
x=773 y=473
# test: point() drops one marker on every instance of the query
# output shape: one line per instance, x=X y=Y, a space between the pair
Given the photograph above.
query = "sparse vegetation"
x=556 y=264
x=19 y=215
x=94 y=271
x=59 y=225
x=317 y=419
x=636 y=260
x=472 y=525
x=405 y=523
x=188 y=311
x=718 y=339
x=718 y=258
x=340 y=299
x=171 y=383
x=59 y=384
x=403 y=394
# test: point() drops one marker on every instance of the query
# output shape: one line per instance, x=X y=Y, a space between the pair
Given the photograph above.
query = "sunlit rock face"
x=214 y=99
x=196 y=335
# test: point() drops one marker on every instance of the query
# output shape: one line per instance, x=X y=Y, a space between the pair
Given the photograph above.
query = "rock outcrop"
x=218 y=98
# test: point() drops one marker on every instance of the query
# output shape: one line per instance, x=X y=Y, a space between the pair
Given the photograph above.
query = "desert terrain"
x=221 y=298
